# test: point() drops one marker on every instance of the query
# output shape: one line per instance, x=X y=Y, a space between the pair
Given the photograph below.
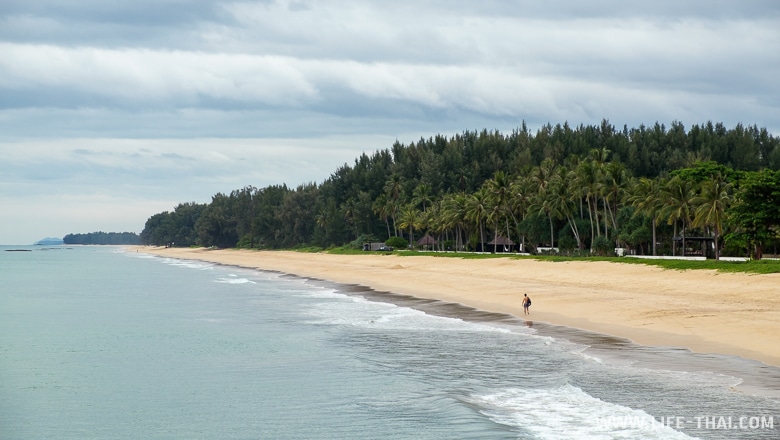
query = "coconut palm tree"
x=614 y=187
x=349 y=210
x=322 y=219
x=559 y=200
x=542 y=176
x=436 y=221
x=381 y=207
x=455 y=208
x=711 y=204
x=394 y=187
x=588 y=176
x=679 y=194
x=500 y=191
x=410 y=218
x=394 y=190
x=422 y=195
x=477 y=209
x=521 y=195
x=646 y=195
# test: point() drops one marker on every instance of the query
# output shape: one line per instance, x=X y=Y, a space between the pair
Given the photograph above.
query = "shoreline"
x=703 y=311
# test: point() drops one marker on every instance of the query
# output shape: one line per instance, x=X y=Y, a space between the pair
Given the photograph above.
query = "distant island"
x=49 y=241
x=105 y=238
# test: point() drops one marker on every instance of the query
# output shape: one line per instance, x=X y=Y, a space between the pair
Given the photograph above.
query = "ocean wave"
x=360 y=312
x=234 y=279
x=189 y=264
x=568 y=412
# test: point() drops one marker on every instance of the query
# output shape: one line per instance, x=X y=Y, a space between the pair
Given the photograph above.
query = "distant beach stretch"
x=705 y=311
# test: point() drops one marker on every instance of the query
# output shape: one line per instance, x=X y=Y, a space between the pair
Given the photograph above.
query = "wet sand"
x=704 y=311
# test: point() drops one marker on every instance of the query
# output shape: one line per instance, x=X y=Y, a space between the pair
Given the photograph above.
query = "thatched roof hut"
x=500 y=244
x=502 y=241
x=426 y=240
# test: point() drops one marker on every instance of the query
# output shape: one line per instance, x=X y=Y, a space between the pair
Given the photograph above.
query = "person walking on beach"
x=526 y=304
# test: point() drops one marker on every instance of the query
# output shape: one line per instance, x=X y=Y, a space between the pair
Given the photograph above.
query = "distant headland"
x=49 y=241
x=106 y=238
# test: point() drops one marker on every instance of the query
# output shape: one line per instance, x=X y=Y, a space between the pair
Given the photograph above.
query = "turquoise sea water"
x=98 y=343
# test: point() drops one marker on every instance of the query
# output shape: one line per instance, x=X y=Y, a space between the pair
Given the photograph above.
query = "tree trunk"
x=592 y=236
x=655 y=240
x=552 y=237
x=495 y=238
x=481 y=238
x=759 y=251
x=506 y=223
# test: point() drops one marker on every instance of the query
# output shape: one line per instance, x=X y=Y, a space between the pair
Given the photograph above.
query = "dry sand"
x=705 y=311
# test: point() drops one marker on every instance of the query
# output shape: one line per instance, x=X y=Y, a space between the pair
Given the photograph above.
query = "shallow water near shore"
x=99 y=343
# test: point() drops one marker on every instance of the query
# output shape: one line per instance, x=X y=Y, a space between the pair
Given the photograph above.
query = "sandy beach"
x=705 y=311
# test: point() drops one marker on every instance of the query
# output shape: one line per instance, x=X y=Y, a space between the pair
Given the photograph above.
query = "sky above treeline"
x=112 y=111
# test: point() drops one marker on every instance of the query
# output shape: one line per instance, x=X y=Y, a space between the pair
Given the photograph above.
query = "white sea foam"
x=190 y=264
x=360 y=312
x=234 y=279
x=567 y=412
x=580 y=351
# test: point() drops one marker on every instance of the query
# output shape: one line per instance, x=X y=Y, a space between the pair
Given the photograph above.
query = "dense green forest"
x=582 y=190
x=103 y=238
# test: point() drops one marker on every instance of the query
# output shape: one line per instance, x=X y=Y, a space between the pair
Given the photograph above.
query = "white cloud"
x=153 y=77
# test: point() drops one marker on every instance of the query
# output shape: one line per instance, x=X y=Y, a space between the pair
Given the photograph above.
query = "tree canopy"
x=100 y=237
x=578 y=189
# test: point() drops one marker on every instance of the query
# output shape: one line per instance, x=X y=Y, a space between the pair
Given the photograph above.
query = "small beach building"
x=501 y=244
x=697 y=246
x=426 y=242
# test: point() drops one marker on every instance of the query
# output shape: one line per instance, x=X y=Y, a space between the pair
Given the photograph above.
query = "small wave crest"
x=359 y=312
x=233 y=279
x=189 y=264
x=568 y=412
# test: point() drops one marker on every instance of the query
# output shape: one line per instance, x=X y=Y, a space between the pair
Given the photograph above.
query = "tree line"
x=589 y=189
x=100 y=237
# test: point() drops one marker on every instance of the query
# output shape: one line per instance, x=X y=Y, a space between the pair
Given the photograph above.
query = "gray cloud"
x=174 y=100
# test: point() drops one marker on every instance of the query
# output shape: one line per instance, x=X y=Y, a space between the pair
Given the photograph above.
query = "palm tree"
x=422 y=195
x=349 y=210
x=646 y=196
x=436 y=221
x=322 y=220
x=542 y=176
x=679 y=194
x=615 y=183
x=587 y=176
x=410 y=218
x=381 y=207
x=711 y=204
x=477 y=208
x=454 y=206
x=521 y=196
x=560 y=203
x=393 y=190
x=394 y=187
x=499 y=190
x=598 y=157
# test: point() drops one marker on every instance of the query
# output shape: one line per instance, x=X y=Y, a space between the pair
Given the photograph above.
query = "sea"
x=110 y=343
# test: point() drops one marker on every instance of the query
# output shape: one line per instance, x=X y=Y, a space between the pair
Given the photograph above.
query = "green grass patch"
x=348 y=251
x=753 y=266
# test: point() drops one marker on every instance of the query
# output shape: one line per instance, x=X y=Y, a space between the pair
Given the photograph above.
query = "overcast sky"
x=114 y=110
